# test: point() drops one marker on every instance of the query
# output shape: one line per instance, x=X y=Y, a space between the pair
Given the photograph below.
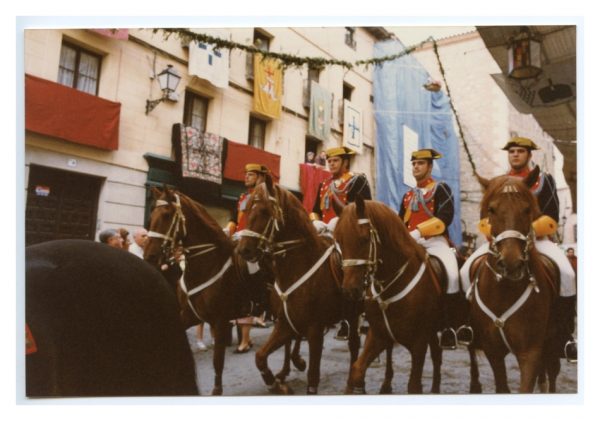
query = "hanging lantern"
x=524 y=56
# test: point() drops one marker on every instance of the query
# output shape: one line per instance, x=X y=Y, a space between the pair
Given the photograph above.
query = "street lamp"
x=168 y=80
x=524 y=55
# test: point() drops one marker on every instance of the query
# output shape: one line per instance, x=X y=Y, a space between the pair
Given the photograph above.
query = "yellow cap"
x=256 y=168
x=425 y=154
x=339 y=151
x=522 y=142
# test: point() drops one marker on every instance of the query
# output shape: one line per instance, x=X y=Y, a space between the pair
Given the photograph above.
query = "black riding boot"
x=565 y=317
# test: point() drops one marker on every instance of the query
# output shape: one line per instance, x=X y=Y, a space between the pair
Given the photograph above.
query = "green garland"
x=287 y=60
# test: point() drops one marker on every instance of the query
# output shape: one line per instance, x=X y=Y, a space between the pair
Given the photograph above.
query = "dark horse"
x=514 y=287
x=403 y=294
x=214 y=287
x=307 y=283
x=103 y=323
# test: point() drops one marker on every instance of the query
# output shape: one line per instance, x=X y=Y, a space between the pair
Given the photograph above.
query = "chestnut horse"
x=214 y=286
x=403 y=294
x=514 y=287
x=309 y=290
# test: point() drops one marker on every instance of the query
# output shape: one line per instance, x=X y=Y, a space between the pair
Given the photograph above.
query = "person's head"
x=125 y=236
x=519 y=152
x=338 y=160
x=422 y=163
x=111 y=237
x=571 y=252
x=140 y=236
x=255 y=174
x=310 y=157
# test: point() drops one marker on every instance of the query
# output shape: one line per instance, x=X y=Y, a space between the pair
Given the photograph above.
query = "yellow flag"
x=268 y=80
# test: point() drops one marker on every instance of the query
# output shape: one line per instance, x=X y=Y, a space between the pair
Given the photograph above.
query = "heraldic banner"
x=209 y=64
x=268 y=80
x=352 y=127
x=319 y=120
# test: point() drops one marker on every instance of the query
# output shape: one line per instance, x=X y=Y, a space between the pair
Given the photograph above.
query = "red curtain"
x=238 y=155
x=310 y=177
x=59 y=111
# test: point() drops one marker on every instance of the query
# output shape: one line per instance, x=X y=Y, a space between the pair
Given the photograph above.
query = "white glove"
x=416 y=234
x=331 y=225
x=320 y=226
x=253 y=267
x=226 y=231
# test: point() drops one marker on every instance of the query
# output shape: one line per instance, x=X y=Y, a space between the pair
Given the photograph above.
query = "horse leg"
x=529 y=365
x=285 y=370
x=278 y=338
x=498 y=365
x=315 y=350
x=475 y=386
x=356 y=378
x=386 y=386
x=436 y=360
x=353 y=337
x=417 y=353
x=552 y=368
x=221 y=336
x=297 y=360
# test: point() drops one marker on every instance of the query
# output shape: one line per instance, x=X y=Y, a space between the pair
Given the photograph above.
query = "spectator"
x=572 y=258
x=322 y=159
x=112 y=238
x=140 y=237
x=310 y=157
x=125 y=236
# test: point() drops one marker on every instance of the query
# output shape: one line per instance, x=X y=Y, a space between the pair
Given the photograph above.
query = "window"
x=347 y=91
x=257 y=132
x=313 y=74
x=260 y=41
x=195 y=111
x=349 y=38
x=79 y=69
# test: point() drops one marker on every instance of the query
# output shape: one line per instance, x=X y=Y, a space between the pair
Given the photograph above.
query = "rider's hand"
x=226 y=231
x=416 y=234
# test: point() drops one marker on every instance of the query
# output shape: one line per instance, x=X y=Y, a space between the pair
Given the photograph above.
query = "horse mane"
x=519 y=193
x=197 y=210
x=295 y=216
x=390 y=227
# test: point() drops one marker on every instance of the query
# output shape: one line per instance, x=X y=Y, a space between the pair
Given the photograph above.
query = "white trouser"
x=545 y=247
x=438 y=246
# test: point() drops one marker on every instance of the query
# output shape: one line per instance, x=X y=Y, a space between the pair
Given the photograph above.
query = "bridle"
x=378 y=287
x=266 y=239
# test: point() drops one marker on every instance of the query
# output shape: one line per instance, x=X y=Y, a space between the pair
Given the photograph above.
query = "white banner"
x=208 y=64
x=411 y=144
x=353 y=127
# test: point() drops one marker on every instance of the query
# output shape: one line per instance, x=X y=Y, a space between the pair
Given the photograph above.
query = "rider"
x=427 y=210
x=519 y=157
x=343 y=187
x=254 y=175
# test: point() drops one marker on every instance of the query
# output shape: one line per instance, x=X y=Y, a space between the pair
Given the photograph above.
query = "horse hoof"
x=217 y=391
x=281 y=376
x=311 y=390
x=300 y=364
x=280 y=388
x=435 y=390
x=385 y=390
x=475 y=388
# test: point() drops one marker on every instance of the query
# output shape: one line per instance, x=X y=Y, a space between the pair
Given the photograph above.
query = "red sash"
x=242 y=205
x=339 y=188
x=412 y=216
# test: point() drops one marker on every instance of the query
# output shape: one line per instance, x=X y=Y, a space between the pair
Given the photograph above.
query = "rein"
x=371 y=264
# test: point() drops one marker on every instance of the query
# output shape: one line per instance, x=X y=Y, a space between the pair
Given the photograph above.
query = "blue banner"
x=401 y=100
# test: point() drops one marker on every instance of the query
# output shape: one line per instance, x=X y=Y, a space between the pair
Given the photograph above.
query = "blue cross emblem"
x=353 y=126
x=210 y=57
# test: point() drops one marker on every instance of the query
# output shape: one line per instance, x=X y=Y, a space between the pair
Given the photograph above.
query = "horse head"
x=358 y=241
x=179 y=224
x=511 y=209
x=265 y=219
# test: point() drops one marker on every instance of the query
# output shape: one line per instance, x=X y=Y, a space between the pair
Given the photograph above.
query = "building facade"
x=93 y=150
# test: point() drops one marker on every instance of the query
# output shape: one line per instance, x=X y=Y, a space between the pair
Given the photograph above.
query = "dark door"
x=60 y=204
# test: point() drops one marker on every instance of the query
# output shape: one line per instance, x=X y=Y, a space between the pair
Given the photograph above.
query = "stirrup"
x=449 y=341
x=570 y=351
x=465 y=335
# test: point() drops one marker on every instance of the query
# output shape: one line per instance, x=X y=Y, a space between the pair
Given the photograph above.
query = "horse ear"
x=360 y=207
x=269 y=183
x=485 y=182
x=156 y=192
x=532 y=177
